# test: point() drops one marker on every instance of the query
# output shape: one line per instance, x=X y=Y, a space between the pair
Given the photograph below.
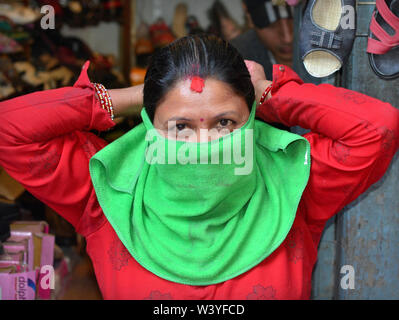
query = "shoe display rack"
x=34 y=58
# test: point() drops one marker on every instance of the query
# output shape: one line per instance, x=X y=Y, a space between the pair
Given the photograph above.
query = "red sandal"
x=383 y=42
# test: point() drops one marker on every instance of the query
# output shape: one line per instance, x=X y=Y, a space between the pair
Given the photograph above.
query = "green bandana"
x=188 y=214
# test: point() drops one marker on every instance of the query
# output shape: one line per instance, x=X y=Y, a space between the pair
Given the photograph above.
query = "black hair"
x=195 y=55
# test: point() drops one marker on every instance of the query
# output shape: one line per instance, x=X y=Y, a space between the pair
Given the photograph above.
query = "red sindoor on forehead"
x=197 y=84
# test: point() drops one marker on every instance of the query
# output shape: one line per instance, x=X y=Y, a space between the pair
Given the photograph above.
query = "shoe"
x=144 y=47
x=383 y=44
x=292 y=3
x=6 y=88
x=28 y=73
x=327 y=35
x=13 y=31
x=113 y=10
x=12 y=84
x=160 y=34
x=19 y=14
x=179 y=21
x=8 y=45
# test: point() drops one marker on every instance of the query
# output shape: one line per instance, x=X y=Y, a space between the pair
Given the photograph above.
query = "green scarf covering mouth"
x=194 y=221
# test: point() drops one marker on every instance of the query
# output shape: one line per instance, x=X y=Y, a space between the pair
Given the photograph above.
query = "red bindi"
x=201 y=119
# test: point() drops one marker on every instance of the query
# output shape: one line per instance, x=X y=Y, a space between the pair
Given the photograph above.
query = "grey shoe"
x=327 y=35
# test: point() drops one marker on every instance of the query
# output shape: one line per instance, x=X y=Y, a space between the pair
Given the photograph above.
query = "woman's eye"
x=180 y=126
x=225 y=122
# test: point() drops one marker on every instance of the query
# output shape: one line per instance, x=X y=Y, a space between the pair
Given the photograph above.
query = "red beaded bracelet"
x=264 y=95
x=105 y=99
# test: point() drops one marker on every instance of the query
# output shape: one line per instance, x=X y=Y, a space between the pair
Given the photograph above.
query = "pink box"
x=17 y=236
x=14 y=259
x=18 y=286
x=14 y=246
x=46 y=259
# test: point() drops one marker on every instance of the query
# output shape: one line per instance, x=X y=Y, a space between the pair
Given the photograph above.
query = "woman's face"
x=190 y=116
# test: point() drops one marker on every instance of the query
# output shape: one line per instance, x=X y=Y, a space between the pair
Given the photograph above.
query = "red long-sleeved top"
x=45 y=144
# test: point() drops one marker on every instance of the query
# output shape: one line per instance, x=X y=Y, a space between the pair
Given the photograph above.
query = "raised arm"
x=353 y=138
x=46 y=144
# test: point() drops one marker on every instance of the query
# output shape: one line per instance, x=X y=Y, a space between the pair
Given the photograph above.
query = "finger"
x=249 y=64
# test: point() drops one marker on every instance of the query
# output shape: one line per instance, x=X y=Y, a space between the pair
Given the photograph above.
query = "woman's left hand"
x=258 y=79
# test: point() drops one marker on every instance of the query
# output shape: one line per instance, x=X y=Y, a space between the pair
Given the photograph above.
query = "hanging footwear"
x=179 y=21
x=383 y=42
x=327 y=35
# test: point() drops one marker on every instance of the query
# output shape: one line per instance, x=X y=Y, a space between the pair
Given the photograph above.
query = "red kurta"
x=46 y=145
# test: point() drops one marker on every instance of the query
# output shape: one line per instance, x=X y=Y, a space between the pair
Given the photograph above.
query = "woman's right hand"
x=127 y=101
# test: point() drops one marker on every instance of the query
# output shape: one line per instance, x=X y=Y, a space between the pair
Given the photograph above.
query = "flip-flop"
x=326 y=36
x=383 y=42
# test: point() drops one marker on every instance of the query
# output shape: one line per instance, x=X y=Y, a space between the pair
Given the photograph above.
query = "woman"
x=157 y=229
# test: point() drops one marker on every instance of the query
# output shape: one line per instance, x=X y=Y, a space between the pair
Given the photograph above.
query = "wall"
x=365 y=234
x=106 y=37
x=103 y=38
x=150 y=10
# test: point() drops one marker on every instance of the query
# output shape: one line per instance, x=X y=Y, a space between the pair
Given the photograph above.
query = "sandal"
x=327 y=37
x=383 y=42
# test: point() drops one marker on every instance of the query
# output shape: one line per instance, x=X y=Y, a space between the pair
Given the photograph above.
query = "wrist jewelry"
x=105 y=99
x=264 y=95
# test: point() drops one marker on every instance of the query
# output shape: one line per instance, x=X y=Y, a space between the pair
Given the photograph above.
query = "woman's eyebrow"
x=226 y=113
x=176 y=118
x=187 y=119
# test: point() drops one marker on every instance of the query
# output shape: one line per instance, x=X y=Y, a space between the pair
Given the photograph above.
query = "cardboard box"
x=40 y=230
x=10 y=269
x=18 y=286
x=47 y=242
x=17 y=236
x=14 y=247
x=15 y=259
x=10 y=189
x=33 y=226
